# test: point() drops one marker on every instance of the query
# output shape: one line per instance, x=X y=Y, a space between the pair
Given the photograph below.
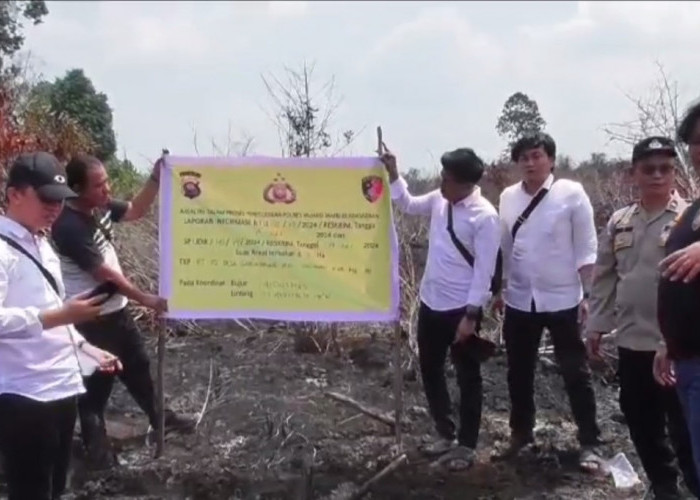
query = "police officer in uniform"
x=623 y=298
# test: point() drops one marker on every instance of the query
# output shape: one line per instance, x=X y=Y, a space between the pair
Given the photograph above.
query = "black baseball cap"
x=44 y=173
x=652 y=146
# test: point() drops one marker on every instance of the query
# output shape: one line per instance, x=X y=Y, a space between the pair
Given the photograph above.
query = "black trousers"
x=522 y=332
x=651 y=410
x=436 y=332
x=116 y=333
x=35 y=444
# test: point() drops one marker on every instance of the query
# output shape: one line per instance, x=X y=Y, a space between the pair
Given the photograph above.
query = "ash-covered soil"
x=271 y=432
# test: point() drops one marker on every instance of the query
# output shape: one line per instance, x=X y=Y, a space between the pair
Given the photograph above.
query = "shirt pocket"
x=30 y=281
x=556 y=222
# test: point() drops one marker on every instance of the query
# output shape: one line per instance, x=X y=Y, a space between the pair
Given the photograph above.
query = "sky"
x=433 y=75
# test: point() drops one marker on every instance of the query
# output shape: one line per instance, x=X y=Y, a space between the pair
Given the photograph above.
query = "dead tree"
x=658 y=112
x=302 y=111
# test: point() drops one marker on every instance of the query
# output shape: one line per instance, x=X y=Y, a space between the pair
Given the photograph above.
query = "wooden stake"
x=398 y=369
x=160 y=382
x=370 y=412
x=398 y=383
x=160 y=443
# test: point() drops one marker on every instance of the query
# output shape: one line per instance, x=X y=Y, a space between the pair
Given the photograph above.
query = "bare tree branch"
x=657 y=113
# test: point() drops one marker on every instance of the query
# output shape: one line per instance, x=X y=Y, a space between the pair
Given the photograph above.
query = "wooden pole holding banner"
x=160 y=382
x=398 y=369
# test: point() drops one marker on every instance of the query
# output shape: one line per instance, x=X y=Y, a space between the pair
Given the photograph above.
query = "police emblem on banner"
x=279 y=191
x=372 y=188
x=190 y=184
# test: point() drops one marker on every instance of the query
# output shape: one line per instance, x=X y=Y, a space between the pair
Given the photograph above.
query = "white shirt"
x=34 y=363
x=550 y=247
x=449 y=282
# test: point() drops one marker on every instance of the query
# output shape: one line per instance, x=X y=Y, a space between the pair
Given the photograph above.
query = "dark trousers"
x=650 y=409
x=688 y=389
x=116 y=333
x=436 y=332
x=522 y=332
x=35 y=444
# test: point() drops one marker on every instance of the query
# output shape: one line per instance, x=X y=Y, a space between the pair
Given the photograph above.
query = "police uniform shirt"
x=626 y=276
x=679 y=303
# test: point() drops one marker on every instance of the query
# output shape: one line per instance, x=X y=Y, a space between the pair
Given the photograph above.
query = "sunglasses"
x=652 y=169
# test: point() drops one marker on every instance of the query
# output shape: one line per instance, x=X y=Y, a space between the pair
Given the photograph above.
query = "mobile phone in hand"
x=108 y=289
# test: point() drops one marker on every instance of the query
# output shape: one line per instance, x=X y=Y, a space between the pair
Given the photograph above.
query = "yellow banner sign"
x=282 y=239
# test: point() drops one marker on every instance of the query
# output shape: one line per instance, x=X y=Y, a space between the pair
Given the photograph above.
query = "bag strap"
x=528 y=210
x=49 y=277
x=497 y=277
x=52 y=281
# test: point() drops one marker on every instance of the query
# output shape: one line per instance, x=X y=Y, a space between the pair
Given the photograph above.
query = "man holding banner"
x=83 y=236
x=464 y=242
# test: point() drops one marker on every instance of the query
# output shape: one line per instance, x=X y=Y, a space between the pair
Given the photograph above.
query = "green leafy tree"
x=74 y=96
x=520 y=115
x=12 y=16
x=125 y=179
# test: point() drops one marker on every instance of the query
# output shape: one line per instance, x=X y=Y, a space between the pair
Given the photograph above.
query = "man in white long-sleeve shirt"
x=40 y=368
x=549 y=250
x=454 y=289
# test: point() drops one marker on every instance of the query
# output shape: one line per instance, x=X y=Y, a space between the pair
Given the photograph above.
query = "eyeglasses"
x=47 y=201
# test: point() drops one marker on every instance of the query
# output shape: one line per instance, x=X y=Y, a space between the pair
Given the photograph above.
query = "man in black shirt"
x=679 y=299
x=83 y=236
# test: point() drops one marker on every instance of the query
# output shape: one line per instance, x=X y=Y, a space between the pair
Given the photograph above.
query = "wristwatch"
x=473 y=313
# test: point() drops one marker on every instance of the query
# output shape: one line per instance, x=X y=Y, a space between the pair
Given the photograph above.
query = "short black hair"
x=464 y=165
x=77 y=169
x=690 y=119
x=533 y=141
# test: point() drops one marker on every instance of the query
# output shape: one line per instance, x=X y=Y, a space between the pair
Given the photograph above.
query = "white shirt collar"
x=546 y=185
x=15 y=228
x=472 y=198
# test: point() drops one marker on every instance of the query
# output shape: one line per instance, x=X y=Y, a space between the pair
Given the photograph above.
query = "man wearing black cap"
x=623 y=299
x=679 y=298
x=41 y=354
x=463 y=250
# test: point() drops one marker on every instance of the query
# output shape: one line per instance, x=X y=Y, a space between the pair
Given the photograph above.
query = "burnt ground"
x=268 y=414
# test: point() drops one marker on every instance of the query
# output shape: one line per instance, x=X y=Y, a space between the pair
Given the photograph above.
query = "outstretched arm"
x=412 y=205
x=142 y=202
x=402 y=198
